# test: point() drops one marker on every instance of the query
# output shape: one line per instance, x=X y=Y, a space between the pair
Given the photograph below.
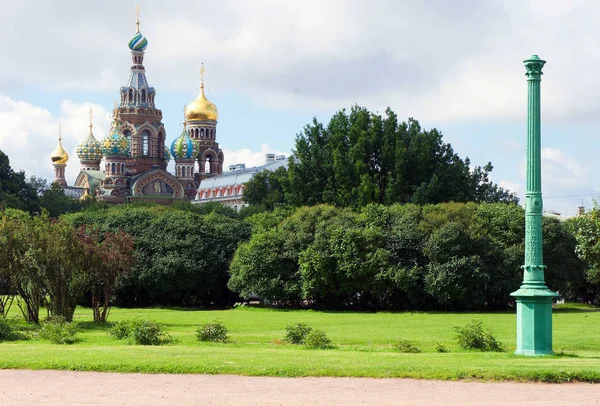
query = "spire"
x=91 y=125
x=137 y=18
x=184 y=120
x=202 y=77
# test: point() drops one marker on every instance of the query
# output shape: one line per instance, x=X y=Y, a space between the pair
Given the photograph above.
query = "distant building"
x=228 y=187
x=130 y=163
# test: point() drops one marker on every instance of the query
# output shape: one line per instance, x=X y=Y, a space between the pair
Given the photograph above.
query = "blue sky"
x=271 y=65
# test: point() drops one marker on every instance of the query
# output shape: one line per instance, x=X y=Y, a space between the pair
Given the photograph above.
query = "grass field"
x=364 y=346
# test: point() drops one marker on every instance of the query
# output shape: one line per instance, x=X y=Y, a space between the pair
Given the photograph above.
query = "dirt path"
x=18 y=387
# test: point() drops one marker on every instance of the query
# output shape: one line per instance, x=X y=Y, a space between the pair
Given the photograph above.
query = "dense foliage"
x=183 y=252
x=445 y=256
x=361 y=158
x=15 y=191
x=586 y=230
x=50 y=262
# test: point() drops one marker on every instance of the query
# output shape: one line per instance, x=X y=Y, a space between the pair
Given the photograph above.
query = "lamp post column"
x=534 y=299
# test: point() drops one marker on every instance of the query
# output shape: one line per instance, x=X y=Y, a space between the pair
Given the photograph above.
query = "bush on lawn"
x=58 y=331
x=296 y=333
x=474 y=337
x=214 y=332
x=317 y=339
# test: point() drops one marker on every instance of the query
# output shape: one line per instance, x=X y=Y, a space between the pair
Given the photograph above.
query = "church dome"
x=184 y=147
x=59 y=155
x=90 y=149
x=138 y=42
x=201 y=109
x=115 y=143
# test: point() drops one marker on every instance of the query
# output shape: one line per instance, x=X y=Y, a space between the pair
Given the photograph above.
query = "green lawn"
x=364 y=346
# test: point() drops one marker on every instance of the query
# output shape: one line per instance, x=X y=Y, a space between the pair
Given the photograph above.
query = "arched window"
x=208 y=164
x=130 y=99
x=123 y=168
x=113 y=168
x=143 y=93
x=145 y=142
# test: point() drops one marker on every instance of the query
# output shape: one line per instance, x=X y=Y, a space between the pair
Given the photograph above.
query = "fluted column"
x=534 y=299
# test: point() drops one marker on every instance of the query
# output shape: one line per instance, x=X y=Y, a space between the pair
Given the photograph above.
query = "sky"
x=273 y=65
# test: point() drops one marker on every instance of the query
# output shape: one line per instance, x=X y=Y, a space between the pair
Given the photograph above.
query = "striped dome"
x=184 y=147
x=138 y=42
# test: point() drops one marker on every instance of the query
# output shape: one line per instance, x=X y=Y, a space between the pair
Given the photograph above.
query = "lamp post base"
x=534 y=320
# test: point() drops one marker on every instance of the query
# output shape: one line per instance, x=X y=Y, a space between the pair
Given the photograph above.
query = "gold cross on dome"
x=59 y=129
x=137 y=18
x=202 y=75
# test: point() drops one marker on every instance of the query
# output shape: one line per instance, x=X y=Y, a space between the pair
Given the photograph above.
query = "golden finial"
x=202 y=76
x=91 y=114
x=137 y=18
x=184 y=122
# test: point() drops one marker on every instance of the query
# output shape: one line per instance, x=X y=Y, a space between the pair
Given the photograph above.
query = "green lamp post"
x=534 y=299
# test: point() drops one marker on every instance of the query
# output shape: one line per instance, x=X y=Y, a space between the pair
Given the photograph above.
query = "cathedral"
x=130 y=163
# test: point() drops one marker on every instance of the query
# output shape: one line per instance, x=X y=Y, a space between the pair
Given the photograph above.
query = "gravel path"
x=19 y=387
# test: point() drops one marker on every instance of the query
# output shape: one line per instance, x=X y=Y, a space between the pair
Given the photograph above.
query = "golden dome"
x=201 y=108
x=59 y=156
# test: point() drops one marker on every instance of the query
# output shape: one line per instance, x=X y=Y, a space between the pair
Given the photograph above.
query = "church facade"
x=130 y=163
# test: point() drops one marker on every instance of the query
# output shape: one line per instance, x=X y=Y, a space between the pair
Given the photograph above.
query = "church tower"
x=185 y=151
x=201 y=117
x=115 y=149
x=59 y=159
x=140 y=120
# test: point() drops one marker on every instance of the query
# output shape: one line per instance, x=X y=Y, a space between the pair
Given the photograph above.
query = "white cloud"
x=514 y=187
x=429 y=59
x=248 y=157
x=28 y=134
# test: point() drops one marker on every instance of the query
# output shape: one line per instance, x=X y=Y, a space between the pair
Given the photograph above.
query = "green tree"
x=15 y=191
x=361 y=158
x=56 y=202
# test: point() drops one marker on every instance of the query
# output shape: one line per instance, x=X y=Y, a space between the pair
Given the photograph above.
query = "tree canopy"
x=361 y=157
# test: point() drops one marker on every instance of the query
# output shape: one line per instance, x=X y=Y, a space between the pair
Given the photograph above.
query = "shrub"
x=317 y=339
x=7 y=331
x=215 y=332
x=439 y=347
x=408 y=347
x=474 y=337
x=121 y=330
x=148 y=332
x=58 y=331
x=296 y=334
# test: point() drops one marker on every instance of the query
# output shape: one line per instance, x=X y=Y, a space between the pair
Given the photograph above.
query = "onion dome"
x=138 y=42
x=59 y=156
x=115 y=143
x=201 y=108
x=90 y=149
x=167 y=153
x=184 y=147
